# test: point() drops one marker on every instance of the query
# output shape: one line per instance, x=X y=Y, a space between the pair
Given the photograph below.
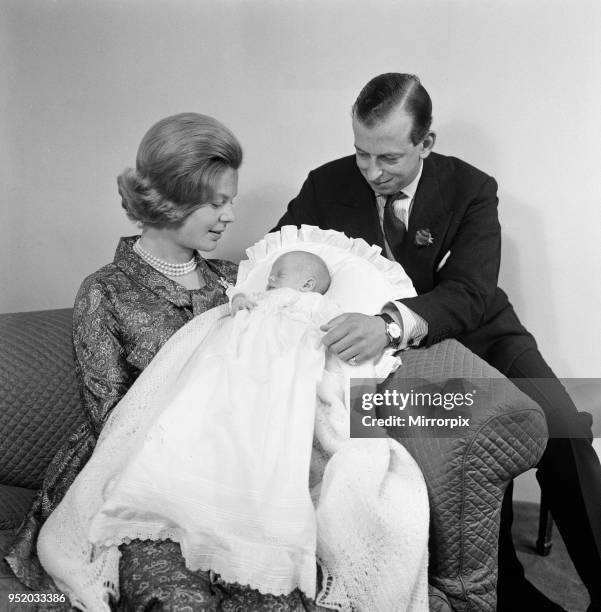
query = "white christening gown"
x=224 y=469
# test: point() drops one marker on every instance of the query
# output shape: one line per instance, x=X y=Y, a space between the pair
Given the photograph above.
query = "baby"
x=298 y=270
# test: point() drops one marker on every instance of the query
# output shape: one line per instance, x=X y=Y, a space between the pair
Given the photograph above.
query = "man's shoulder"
x=341 y=167
x=448 y=166
x=335 y=177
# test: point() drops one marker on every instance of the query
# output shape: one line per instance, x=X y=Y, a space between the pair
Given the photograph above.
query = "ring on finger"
x=353 y=361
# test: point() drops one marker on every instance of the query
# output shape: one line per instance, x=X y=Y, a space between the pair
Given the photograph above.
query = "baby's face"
x=285 y=274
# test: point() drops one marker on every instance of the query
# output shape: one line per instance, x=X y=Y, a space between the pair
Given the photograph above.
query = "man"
x=437 y=216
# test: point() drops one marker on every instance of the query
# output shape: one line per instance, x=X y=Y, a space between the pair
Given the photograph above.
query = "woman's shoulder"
x=100 y=279
x=96 y=291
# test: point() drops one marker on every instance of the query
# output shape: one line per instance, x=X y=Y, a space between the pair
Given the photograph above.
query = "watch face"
x=394 y=330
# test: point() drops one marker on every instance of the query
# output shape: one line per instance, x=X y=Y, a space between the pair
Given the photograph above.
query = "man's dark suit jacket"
x=458 y=204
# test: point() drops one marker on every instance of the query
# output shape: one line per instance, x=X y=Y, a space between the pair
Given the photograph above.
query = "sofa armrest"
x=467 y=476
x=39 y=398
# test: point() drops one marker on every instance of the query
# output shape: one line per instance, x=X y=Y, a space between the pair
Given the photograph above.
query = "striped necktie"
x=394 y=228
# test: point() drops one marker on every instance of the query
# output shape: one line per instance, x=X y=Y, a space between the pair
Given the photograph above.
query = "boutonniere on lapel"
x=423 y=238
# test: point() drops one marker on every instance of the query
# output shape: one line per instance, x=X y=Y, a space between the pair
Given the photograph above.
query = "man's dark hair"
x=389 y=91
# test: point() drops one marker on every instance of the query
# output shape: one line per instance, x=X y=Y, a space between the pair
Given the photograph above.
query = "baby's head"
x=299 y=270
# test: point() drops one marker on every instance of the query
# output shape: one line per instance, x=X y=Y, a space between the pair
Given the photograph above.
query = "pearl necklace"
x=165 y=267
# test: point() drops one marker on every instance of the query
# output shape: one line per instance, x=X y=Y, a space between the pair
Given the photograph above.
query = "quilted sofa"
x=466 y=476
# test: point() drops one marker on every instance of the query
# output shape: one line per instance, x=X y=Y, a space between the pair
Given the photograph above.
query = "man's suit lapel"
x=428 y=212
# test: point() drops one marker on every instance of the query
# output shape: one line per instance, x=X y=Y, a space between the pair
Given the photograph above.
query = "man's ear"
x=427 y=144
x=309 y=284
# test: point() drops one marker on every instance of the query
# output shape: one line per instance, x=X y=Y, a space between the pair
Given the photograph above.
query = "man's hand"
x=353 y=335
x=241 y=301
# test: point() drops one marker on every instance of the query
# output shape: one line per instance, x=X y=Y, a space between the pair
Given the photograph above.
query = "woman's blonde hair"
x=178 y=164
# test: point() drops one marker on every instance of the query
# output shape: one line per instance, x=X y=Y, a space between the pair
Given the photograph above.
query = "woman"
x=181 y=193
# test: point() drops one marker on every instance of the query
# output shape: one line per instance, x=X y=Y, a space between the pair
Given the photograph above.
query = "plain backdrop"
x=516 y=87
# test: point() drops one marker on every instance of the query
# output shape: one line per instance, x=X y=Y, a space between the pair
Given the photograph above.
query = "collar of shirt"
x=401 y=206
x=410 y=190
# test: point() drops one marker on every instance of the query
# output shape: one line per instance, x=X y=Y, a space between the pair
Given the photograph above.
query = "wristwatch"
x=393 y=329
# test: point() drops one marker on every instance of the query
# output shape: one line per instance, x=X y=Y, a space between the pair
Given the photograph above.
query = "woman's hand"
x=242 y=302
x=356 y=336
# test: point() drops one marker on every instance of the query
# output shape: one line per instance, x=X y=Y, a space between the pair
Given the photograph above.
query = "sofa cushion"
x=14 y=503
x=39 y=400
